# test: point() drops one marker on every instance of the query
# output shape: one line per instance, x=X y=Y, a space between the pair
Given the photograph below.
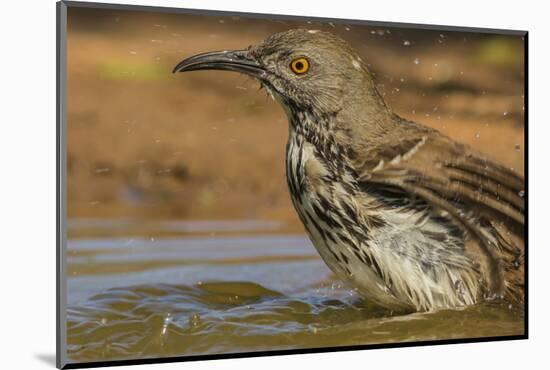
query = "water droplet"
x=221 y=21
x=195 y=320
x=477 y=135
x=380 y=32
x=167 y=321
x=406 y=43
x=416 y=61
x=347 y=28
x=505 y=113
x=442 y=35
x=521 y=193
x=402 y=79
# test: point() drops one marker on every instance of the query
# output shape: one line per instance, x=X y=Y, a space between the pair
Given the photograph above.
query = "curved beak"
x=235 y=60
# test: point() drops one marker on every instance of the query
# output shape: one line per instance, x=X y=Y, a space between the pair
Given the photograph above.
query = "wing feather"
x=454 y=173
x=473 y=190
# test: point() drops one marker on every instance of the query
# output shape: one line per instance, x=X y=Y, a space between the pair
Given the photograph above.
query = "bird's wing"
x=447 y=175
x=478 y=194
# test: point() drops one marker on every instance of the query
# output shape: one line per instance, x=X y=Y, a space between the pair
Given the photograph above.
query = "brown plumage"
x=412 y=218
x=484 y=198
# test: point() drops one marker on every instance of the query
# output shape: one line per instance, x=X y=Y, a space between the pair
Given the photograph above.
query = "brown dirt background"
x=144 y=143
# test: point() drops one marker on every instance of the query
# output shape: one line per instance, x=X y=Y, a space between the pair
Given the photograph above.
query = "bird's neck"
x=319 y=131
x=360 y=117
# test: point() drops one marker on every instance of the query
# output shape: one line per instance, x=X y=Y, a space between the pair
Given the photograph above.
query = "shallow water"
x=188 y=290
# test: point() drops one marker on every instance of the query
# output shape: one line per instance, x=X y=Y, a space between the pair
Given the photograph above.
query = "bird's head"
x=302 y=69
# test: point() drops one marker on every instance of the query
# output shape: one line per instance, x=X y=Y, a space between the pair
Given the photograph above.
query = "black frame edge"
x=61 y=64
x=526 y=178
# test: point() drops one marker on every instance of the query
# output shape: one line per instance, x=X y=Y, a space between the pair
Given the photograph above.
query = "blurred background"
x=147 y=144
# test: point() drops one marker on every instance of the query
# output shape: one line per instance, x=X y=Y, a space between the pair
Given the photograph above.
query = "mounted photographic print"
x=235 y=184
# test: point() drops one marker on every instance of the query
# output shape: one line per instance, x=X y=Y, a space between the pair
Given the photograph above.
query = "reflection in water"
x=138 y=298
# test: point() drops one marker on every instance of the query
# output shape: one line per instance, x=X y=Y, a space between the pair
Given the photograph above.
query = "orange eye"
x=299 y=65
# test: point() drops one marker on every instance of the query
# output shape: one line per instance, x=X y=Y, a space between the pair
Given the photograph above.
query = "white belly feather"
x=411 y=269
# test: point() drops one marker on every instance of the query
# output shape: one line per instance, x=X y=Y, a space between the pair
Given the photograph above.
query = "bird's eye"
x=299 y=65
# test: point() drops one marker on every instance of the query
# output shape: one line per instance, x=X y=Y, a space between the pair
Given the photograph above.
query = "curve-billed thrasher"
x=410 y=217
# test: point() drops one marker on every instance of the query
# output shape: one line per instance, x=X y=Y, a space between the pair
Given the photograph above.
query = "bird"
x=409 y=217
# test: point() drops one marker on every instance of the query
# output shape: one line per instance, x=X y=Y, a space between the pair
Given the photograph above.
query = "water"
x=186 y=289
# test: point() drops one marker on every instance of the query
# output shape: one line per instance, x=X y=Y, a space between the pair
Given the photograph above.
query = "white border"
x=28 y=181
